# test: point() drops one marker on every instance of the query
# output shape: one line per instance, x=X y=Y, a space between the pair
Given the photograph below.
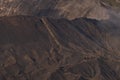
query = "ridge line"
x=45 y=21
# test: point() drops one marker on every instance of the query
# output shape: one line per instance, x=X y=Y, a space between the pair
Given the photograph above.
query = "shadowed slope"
x=33 y=48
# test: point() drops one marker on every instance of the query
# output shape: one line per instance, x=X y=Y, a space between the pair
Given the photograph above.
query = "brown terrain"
x=33 y=48
x=70 y=9
x=59 y=40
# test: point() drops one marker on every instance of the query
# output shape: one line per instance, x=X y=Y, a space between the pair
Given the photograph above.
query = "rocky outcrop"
x=33 y=48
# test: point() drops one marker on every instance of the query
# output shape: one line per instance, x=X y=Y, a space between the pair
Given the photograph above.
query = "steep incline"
x=33 y=48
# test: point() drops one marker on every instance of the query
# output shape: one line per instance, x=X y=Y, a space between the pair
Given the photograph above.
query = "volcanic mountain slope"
x=33 y=48
x=71 y=9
